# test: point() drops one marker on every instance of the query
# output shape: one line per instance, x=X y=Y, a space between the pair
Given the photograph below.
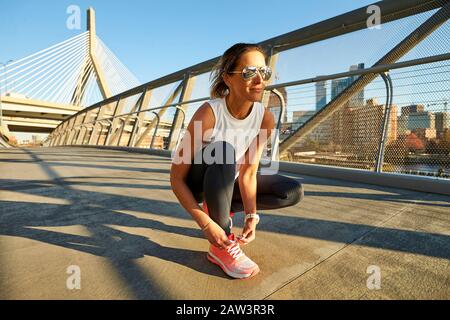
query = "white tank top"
x=240 y=133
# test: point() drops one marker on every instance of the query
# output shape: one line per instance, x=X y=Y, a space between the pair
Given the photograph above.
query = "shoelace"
x=235 y=251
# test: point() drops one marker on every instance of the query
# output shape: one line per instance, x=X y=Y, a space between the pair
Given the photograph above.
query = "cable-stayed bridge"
x=42 y=89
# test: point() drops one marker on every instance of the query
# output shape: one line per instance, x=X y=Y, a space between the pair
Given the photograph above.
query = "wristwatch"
x=252 y=215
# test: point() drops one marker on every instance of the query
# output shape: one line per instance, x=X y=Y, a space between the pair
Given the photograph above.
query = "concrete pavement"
x=113 y=215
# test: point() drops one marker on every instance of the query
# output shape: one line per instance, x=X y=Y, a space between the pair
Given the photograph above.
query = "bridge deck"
x=114 y=215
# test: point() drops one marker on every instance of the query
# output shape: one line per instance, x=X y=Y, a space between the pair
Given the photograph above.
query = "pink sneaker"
x=233 y=261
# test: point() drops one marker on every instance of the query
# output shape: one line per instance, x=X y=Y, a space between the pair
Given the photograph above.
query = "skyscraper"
x=339 y=85
x=358 y=99
x=342 y=120
x=321 y=95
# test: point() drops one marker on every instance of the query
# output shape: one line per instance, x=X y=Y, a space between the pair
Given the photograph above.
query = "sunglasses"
x=250 y=72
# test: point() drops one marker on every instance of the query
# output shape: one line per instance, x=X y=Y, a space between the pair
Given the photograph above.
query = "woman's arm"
x=181 y=164
x=248 y=170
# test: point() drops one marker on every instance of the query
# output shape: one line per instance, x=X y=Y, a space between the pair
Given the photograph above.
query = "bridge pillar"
x=90 y=65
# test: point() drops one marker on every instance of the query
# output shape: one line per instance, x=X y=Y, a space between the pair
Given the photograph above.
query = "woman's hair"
x=227 y=63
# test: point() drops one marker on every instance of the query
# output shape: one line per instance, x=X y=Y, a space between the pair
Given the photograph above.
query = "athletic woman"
x=217 y=161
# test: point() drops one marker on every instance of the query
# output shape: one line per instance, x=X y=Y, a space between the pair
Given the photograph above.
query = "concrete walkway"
x=112 y=214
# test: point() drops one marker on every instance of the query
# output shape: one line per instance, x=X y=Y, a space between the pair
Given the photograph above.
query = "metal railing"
x=61 y=137
x=67 y=137
x=383 y=72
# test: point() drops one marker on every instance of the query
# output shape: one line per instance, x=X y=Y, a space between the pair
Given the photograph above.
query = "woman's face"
x=252 y=89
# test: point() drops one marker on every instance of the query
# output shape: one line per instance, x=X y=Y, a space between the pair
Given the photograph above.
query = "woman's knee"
x=295 y=192
x=290 y=190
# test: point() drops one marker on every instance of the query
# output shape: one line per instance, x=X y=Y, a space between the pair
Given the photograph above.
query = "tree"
x=414 y=143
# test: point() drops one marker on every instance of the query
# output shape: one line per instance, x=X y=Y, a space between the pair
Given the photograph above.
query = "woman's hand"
x=216 y=235
x=248 y=233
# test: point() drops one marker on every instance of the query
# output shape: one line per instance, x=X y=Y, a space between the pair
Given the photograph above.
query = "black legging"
x=215 y=183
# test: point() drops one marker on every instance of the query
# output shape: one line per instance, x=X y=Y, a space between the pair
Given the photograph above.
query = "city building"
x=342 y=120
x=421 y=120
x=321 y=95
x=402 y=125
x=442 y=122
x=300 y=117
x=358 y=99
x=322 y=134
x=339 y=85
x=368 y=123
x=413 y=108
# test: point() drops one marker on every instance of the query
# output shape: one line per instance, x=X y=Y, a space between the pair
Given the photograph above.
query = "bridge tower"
x=87 y=66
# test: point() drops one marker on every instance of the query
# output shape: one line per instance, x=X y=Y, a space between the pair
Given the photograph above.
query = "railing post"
x=386 y=120
x=60 y=135
x=53 y=143
x=156 y=129
x=63 y=133
x=136 y=127
x=72 y=131
x=117 y=110
x=69 y=129
x=188 y=85
x=122 y=129
x=82 y=127
x=161 y=112
x=108 y=133
x=83 y=135
x=100 y=134
x=100 y=114
x=58 y=138
x=275 y=143
x=80 y=134
x=78 y=121
x=140 y=116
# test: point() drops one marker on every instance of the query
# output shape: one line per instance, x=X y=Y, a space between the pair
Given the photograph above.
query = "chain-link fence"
x=416 y=140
